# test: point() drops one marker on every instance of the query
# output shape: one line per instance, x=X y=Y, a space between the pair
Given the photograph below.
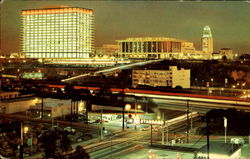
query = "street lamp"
x=243 y=85
x=137 y=107
x=24 y=129
x=210 y=92
x=128 y=107
x=222 y=89
x=212 y=80
x=225 y=125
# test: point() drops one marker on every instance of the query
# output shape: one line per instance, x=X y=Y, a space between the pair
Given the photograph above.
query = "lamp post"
x=23 y=130
x=225 y=125
x=136 y=119
x=127 y=107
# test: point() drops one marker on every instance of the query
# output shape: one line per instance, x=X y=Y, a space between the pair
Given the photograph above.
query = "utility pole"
x=151 y=141
x=101 y=126
x=207 y=120
x=163 y=135
x=42 y=107
x=123 y=117
x=21 y=145
x=71 y=115
x=191 y=118
x=187 y=121
x=167 y=132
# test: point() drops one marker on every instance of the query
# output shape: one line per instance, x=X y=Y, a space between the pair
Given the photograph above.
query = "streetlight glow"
x=25 y=129
x=139 y=106
x=127 y=106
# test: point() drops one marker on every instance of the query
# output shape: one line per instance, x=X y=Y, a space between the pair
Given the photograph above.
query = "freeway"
x=169 y=99
x=110 y=70
x=201 y=103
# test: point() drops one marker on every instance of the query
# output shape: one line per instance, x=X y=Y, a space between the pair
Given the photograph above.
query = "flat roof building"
x=219 y=151
x=57 y=33
x=149 y=47
x=163 y=78
x=158 y=48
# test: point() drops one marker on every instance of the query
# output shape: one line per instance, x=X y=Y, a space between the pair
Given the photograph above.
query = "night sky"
x=114 y=20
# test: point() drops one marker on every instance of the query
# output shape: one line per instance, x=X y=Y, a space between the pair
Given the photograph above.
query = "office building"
x=207 y=40
x=57 y=33
x=166 y=78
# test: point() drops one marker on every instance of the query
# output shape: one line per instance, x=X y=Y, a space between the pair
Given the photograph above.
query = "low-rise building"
x=219 y=151
x=227 y=52
x=57 y=107
x=9 y=95
x=16 y=105
x=159 y=48
x=149 y=47
x=108 y=50
x=166 y=78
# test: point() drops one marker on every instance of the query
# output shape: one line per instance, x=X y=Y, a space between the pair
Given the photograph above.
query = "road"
x=205 y=102
x=110 y=70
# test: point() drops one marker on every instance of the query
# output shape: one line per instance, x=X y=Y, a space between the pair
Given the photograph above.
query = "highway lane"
x=110 y=70
x=198 y=106
x=205 y=101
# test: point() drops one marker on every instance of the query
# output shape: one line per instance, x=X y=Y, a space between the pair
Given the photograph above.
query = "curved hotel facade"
x=57 y=33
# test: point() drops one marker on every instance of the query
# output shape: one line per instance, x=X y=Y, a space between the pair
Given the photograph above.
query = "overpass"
x=110 y=70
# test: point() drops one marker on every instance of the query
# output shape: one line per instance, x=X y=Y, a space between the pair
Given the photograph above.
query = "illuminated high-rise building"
x=57 y=33
x=207 y=40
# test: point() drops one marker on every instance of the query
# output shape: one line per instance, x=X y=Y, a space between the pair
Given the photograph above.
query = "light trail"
x=111 y=69
x=201 y=100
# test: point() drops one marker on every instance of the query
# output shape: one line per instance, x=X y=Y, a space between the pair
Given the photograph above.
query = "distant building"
x=150 y=48
x=159 y=48
x=57 y=107
x=8 y=95
x=207 y=40
x=57 y=33
x=227 y=52
x=172 y=77
x=16 y=105
x=219 y=151
x=109 y=50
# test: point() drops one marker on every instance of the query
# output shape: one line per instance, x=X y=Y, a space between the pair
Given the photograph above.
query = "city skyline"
x=116 y=20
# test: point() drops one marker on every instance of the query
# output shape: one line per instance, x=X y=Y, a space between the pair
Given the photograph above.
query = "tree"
x=65 y=143
x=49 y=144
x=69 y=89
x=224 y=58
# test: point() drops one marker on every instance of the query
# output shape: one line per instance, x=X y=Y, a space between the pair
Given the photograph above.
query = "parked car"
x=237 y=141
x=69 y=129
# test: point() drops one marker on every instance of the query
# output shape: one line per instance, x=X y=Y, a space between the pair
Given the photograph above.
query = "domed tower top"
x=207 y=32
